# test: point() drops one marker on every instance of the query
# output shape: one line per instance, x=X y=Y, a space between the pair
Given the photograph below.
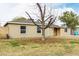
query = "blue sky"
x=74 y=6
x=10 y=10
x=71 y=5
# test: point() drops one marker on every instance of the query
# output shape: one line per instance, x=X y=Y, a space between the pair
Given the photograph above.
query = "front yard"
x=36 y=47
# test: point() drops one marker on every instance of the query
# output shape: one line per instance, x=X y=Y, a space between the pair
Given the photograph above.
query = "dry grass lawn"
x=36 y=47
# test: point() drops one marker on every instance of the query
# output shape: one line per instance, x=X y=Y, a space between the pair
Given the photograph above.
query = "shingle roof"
x=27 y=22
x=20 y=20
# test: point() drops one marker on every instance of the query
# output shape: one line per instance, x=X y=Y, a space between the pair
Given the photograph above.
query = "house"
x=25 y=28
x=76 y=31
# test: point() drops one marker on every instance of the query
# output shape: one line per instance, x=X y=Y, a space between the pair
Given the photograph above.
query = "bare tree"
x=45 y=21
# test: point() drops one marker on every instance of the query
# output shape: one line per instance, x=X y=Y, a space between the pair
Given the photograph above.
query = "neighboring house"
x=25 y=28
x=76 y=31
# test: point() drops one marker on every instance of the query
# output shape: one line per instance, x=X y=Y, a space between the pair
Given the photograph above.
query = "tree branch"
x=44 y=11
x=39 y=20
x=49 y=17
x=32 y=20
x=50 y=22
x=39 y=8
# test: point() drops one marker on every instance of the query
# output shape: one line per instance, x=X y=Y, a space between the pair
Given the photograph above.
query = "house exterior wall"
x=63 y=33
x=31 y=31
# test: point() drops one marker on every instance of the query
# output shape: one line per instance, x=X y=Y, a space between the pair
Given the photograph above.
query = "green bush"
x=68 y=48
x=14 y=43
x=72 y=41
x=35 y=46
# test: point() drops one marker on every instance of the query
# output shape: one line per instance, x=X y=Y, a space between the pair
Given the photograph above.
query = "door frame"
x=56 y=31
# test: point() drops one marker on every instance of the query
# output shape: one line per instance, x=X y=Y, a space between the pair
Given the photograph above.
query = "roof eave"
x=19 y=23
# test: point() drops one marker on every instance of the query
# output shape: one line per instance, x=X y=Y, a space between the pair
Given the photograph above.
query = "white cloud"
x=10 y=10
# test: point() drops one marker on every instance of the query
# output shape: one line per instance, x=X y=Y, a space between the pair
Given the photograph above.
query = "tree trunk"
x=43 y=34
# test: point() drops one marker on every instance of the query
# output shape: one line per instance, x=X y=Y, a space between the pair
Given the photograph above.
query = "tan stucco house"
x=24 y=29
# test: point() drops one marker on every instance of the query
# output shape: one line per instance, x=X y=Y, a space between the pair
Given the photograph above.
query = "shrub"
x=72 y=41
x=35 y=46
x=68 y=48
x=14 y=43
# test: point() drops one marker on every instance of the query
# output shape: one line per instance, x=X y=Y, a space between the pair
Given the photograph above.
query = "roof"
x=25 y=22
x=56 y=26
x=22 y=21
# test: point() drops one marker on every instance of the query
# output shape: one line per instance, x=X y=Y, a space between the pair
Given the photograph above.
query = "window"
x=38 y=30
x=65 y=29
x=23 y=29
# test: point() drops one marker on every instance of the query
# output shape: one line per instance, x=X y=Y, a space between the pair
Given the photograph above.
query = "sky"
x=8 y=11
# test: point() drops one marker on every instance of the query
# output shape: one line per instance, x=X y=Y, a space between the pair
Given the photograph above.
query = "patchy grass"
x=36 y=47
x=14 y=43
